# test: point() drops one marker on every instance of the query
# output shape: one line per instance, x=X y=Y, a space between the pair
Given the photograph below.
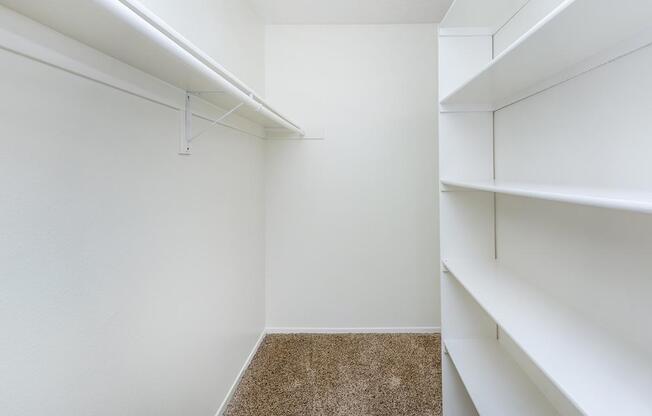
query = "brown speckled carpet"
x=342 y=375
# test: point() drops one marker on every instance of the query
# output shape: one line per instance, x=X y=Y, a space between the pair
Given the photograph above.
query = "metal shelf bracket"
x=187 y=136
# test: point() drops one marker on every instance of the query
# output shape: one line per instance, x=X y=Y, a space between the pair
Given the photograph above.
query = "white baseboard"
x=392 y=330
x=234 y=386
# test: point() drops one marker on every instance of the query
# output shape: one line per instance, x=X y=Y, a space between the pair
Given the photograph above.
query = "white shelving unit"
x=543 y=280
x=494 y=381
x=129 y=32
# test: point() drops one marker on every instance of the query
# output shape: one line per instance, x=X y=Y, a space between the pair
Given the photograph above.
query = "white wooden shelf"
x=596 y=197
x=598 y=372
x=495 y=382
x=569 y=40
x=127 y=31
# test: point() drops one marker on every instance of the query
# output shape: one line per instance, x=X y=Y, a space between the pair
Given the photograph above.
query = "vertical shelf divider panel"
x=467 y=219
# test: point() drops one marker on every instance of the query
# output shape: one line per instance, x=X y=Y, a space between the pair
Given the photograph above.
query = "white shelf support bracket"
x=187 y=136
x=186 y=129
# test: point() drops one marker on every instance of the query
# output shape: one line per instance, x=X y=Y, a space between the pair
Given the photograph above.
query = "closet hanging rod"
x=156 y=30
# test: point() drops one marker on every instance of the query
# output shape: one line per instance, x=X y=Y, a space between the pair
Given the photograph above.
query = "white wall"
x=132 y=278
x=352 y=237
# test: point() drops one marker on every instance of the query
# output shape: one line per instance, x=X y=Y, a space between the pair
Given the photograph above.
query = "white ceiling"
x=351 y=11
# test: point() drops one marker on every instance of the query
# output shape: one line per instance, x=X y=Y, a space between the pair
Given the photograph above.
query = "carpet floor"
x=342 y=375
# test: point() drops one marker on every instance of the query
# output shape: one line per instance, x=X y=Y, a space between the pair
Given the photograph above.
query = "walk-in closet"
x=326 y=208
